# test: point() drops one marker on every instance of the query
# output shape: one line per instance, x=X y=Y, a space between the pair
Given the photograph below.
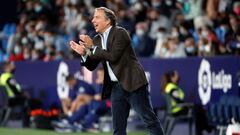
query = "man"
x=91 y=108
x=81 y=93
x=124 y=78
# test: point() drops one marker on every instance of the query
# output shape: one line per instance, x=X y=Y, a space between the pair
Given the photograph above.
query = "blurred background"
x=188 y=48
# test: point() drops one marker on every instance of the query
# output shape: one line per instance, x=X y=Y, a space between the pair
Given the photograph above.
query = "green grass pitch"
x=25 y=131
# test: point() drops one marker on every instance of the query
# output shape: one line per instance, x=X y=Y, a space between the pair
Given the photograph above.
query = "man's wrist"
x=93 y=49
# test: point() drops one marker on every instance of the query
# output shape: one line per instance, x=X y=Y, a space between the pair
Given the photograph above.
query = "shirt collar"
x=106 y=32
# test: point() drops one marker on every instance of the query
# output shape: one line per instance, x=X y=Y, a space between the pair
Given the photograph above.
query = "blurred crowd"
x=159 y=28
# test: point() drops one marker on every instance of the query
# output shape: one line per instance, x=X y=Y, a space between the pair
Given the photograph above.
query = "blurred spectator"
x=208 y=33
x=224 y=6
x=175 y=32
x=41 y=23
x=157 y=20
x=180 y=32
x=236 y=8
x=125 y=21
x=36 y=55
x=142 y=43
x=161 y=40
x=165 y=7
x=202 y=21
x=169 y=84
x=26 y=53
x=17 y=54
x=139 y=9
x=212 y=9
x=234 y=23
x=205 y=48
x=223 y=30
x=14 y=38
x=190 y=47
x=234 y=44
x=191 y=8
x=17 y=97
x=50 y=53
x=174 y=49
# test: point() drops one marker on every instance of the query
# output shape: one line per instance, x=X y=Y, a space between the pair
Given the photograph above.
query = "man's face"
x=11 y=67
x=100 y=22
x=71 y=83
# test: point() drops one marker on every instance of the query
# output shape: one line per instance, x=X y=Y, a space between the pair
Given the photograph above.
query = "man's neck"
x=107 y=29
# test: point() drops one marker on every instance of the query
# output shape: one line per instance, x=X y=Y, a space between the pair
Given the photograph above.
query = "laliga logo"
x=204 y=81
x=208 y=80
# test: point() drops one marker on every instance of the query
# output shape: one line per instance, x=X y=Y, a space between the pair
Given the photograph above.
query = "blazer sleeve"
x=90 y=63
x=120 y=41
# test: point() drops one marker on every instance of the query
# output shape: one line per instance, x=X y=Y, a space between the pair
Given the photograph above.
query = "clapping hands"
x=79 y=48
x=85 y=43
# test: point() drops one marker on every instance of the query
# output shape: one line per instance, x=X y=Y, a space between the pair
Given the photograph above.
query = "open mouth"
x=95 y=26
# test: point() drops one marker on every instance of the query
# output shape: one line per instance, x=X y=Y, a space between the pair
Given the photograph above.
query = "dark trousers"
x=22 y=103
x=139 y=100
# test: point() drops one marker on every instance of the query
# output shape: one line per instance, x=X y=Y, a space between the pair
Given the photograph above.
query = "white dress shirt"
x=104 y=37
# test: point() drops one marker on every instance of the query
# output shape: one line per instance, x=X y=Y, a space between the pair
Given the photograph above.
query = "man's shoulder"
x=114 y=30
x=119 y=28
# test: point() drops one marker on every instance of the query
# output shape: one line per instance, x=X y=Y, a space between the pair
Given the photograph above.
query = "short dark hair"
x=6 y=65
x=109 y=14
x=70 y=77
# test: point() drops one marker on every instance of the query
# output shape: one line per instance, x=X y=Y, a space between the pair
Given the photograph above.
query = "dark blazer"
x=122 y=60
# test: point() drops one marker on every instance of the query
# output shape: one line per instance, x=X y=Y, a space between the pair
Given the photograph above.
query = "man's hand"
x=79 y=48
x=87 y=41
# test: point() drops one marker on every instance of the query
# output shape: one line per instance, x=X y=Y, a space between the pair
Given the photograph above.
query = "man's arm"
x=120 y=42
x=86 y=61
x=90 y=63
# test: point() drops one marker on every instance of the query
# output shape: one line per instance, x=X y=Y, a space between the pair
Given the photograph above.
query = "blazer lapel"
x=97 y=41
x=110 y=38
